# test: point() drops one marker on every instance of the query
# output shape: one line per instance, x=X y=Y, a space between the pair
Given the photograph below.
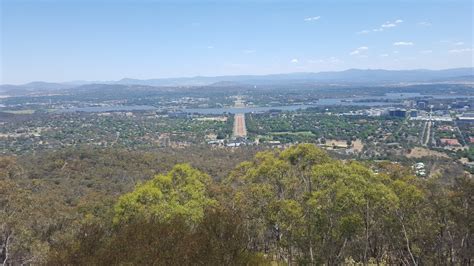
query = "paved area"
x=239 y=126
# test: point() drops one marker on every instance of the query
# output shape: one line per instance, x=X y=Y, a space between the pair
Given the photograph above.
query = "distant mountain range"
x=359 y=76
x=350 y=75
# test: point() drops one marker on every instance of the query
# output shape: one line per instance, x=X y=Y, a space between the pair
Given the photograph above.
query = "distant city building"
x=409 y=103
x=397 y=113
x=446 y=128
x=460 y=104
x=467 y=118
x=440 y=112
x=413 y=113
x=450 y=142
x=234 y=144
x=178 y=115
x=422 y=104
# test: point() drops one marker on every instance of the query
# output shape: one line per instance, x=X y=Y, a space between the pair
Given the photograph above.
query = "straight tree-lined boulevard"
x=240 y=131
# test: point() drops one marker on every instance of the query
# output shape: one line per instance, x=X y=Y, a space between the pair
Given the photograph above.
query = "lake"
x=117 y=108
x=374 y=101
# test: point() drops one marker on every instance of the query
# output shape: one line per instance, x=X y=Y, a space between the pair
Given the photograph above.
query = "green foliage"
x=18 y=241
x=180 y=193
x=290 y=127
x=292 y=206
x=219 y=239
x=324 y=211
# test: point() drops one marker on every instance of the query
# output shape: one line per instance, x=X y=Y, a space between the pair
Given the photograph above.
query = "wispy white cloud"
x=330 y=60
x=294 y=61
x=403 y=44
x=424 y=23
x=249 y=51
x=458 y=51
x=384 y=26
x=383 y=55
x=388 y=25
x=313 y=61
x=210 y=47
x=312 y=18
x=333 y=60
x=359 y=50
x=451 y=42
x=363 y=32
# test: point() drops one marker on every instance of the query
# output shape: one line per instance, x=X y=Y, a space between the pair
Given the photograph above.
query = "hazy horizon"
x=230 y=75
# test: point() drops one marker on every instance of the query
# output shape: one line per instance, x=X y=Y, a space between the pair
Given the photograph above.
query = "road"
x=427 y=134
x=240 y=131
x=464 y=142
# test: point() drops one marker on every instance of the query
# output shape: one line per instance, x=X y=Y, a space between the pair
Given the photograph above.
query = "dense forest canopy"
x=295 y=206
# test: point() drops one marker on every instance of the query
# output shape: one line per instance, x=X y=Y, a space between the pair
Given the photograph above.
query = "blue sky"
x=53 y=40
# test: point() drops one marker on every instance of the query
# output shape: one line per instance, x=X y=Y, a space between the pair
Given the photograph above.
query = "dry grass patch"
x=419 y=152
